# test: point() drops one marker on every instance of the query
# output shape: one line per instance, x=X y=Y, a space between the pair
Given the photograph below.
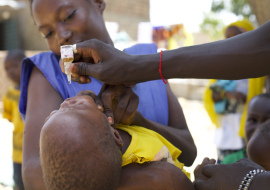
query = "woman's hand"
x=198 y=170
x=118 y=103
x=225 y=176
x=103 y=62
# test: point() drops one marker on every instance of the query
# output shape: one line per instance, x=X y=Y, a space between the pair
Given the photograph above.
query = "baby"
x=258 y=113
x=258 y=134
x=80 y=150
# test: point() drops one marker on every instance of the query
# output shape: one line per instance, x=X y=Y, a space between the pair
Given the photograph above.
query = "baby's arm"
x=155 y=175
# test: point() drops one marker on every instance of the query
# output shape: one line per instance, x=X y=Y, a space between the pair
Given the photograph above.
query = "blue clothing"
x=228 y=86
x=153 y=101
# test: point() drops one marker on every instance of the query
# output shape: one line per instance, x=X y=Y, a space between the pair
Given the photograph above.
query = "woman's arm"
x=177 y=132
x=42 y=99
x=243 y=56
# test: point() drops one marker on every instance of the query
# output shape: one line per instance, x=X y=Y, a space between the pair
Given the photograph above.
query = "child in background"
x=258 y=113
x=11 y=111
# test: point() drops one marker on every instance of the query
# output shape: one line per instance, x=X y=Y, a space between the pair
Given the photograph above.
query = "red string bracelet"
x=164 y=80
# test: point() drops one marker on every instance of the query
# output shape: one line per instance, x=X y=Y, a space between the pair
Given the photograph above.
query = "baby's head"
x=13 y=65
x=258 y=148
x=258 y=113
x=233 y=31
x=258 y=130
x=79 y=149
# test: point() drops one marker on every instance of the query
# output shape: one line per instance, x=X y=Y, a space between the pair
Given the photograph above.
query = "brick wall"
x=128 y=13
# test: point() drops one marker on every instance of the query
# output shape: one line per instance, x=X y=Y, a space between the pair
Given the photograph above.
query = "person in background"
x=226 y=102
x=11 y=111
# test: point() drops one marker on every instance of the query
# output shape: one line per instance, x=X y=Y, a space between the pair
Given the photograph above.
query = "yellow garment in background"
x=11 y=112
x=245 y=23
x=255 y=87
x=188 y=40
x=149 y=146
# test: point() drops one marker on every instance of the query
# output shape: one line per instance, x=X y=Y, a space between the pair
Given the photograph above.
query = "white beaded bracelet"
x=248 y=179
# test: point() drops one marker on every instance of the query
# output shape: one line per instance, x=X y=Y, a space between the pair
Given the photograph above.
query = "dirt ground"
x=199 y=124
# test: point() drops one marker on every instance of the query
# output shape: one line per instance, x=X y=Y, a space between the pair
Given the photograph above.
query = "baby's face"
x=258 y=150
x=83 y=105
x=85 y=108
x=258 y=113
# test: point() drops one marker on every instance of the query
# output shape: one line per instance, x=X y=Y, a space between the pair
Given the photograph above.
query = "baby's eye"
x=70 y=16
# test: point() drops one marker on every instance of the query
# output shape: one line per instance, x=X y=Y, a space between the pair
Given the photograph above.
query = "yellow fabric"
x=245 y=23
x=173 y=40
x=11 y=112
x=145 y=146
x=255 y=87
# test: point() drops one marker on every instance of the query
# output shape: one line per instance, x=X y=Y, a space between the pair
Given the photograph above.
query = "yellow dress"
x=11 y=112
x=148 y=146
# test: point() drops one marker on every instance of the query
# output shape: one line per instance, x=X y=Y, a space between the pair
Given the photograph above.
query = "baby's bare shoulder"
x=155 y=175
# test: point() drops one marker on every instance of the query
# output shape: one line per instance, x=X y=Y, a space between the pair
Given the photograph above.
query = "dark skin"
x=156 y=176
x=86 y=106
x=249 y=51
x=228 y=176
x=13 y=70
x=161 y=175
x=135 y=118
x=258 y=149
x=240 y=97
x=258 y=113
x=233 y=31
x=258 y=144
x=69 y=27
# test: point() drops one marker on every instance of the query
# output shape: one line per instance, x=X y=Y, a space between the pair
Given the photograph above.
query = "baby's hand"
x=198 y=170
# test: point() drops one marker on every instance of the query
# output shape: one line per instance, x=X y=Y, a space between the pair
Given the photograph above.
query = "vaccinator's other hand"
x=225 y=176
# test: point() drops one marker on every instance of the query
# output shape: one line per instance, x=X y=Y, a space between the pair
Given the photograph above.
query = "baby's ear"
x=117 y=138
x=101 y=5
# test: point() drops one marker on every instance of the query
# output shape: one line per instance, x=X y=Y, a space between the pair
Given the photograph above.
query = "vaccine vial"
x=67 y=57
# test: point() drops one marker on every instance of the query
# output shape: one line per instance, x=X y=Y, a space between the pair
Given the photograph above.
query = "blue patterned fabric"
x=153 y=102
